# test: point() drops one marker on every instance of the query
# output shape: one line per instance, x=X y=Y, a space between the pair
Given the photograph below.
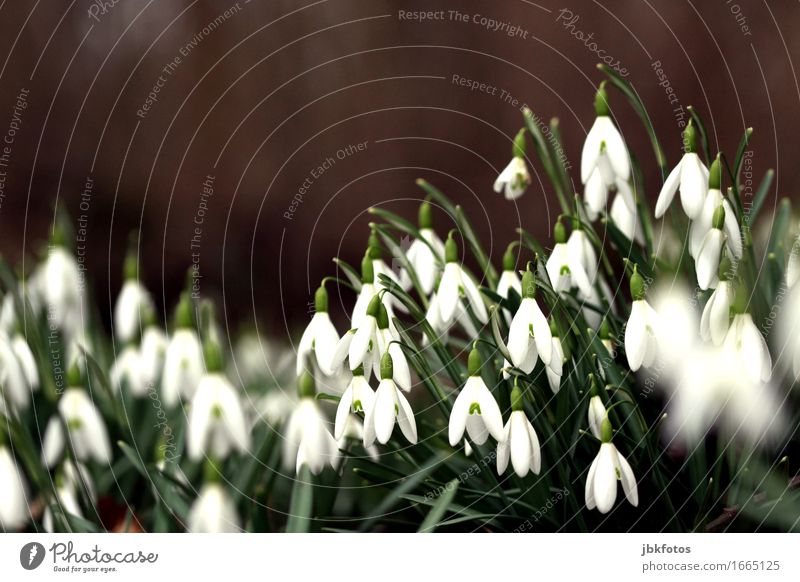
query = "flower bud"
x=387 y=367
x=425 y=217
x=601 y=101
x=474 y=362
x=306 y=387
x=450 y=249
x=518 y=151
x=637 y=285
x=321 y=300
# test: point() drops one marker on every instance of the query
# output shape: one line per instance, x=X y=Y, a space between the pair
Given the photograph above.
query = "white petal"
x=520 y=443
x=629 y=486
x=694 y=185
x=343 y=412
x=668 y=190
x=591 y=149
x=503 y=451
x=405 y=419
x=448 y=292
x=384 y=407
x=707 y=264
x=605 y=478
x=361 y=342
x=474 y=298
x=459 y=414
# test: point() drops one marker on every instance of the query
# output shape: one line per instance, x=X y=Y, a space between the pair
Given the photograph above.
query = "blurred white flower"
x=604 y=144
x=14 y=512
x=275 y=407
x=475 y=409
x=85 y=426
x=128 y=369
x=216 y=425
x=514 y=179
x=716 y=314
x=389 y=406
x=183 y=367
x=690 y=176
x=320 y=337
x=307 y=438
x=744 y=341
x=626 y=218
x=703 y=225
x=596 y=415
x=14 y=385
x=608 y=467
x=134 y=303
x=354 y=431
x=58 y=282
x=213 y=511
x=152 y=353
x=358 y=397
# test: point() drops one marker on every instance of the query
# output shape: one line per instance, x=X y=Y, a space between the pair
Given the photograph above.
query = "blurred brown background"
x=263 y=92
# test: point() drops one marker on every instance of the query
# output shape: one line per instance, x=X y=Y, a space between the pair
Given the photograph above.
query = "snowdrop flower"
x=217 y=424
x=529 y=336
x=14 y=512
x=703 y=224
x=320 y=338
x=475 y=408
x=597 y=414
x=716 y=313
x=509 y=279
x=58 y=282
x=275 y=407
x=604 y=142
x=425 y=253
x=626 y=218
x=515 y=178
x=442 y=328
x=354 y=431
x=555 y=369
x=183 y=361
x=367 y=292
x=564 y=268
x=213 y=511
x=710 y=251
x=14 y=385
x=455 y=285
x=749 y=346
x=388 y=407
x=520 y=442
x=361 y=345
x=127 y=369
x=152 y=352
x=690 y=176
x=581 y=249
x=641 y=332
x=70 y=481
x=789 y=330
x=607 y=468
x=357 y=397
x=307 y=439
x=388 y=341
x=132 y=303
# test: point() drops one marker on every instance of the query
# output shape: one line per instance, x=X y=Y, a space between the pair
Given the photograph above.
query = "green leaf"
x=760 y=197
x=302 y=503
x=440 y=508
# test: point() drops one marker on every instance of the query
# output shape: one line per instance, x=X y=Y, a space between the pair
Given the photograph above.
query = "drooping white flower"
x=307 y=438
x=358 y=397
x=72 y=480
x=388 y=407
x=354 y=431
x=555 y=369
x=627 y=219
x=456 y=284
x=361 y=345
x=217 y=424
x=14 y=512
x=475 y=409
x=520 y=444
x=127 y=369
x=641 y=331
x=716 y=314
x=152 y=352
x=275 y=407
x=707 y=262
x=183 y=361
x=442 y=328
x=582 y=250
x=134 y=303
x=565 y=269
x=515 y=178
x=58 y=282
x=320 y=337
x=745 y=341
x=213 y=511
x=604 y=145
x=529 y=336
x=607 y=468
x=690 y=176
x=596 y=412
x=425 y=253
x=509 y=280
x=14 y=385
x=703 y=224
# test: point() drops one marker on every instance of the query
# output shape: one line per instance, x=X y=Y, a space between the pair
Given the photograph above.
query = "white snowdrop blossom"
x=86 y=429
x=152 y=352
x=566 y=269
x=134 y=303
x=425 y=254
x=690 y=176
x=515 y=178
x=475 y=409
x=213 y=511
x=707 y=262
x=14 y=512
x=596 y=413
x=703 y=224
x=15 y=388
x=307 y=440
x=58 y=282
x=608 y=467
x=128 y=370
x=456 y=284
x=581 y=249
x=357 y=397
x=217 y=424
x=745 y=341
x=71 y=480
x=716 y=314
x=520 y=442
x=555 y=369
x=626 y=218
x=529 y=336
x=320 y=337
x=604 y=146
x=388 y=407
x=641 y=331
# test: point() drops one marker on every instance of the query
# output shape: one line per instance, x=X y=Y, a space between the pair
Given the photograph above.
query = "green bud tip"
x=321 y=300
x=594 y=388
x=387 y=367
x=509 y=258
x=184 y=313
x=383 y=317
x=559 y=232
x=725 y=267
x=637 y=285
x=212 y=353
x=690 y=139
x=605 y=431
x=601 y=101
x=718 y=221
x=516 y=398
x=425 y=217
x=528 y=284
x=553 y=328
x=74 y=375
x=374 y=307
x=359 y=371
x=59 y=237
x=518 y=150
x=367 y=270
x=474 y=362
x=450 y=249
x=211 y=473
x=715 y=174
x=306 y=387
x=605 y=329
x=374 y=246
x=130 y=269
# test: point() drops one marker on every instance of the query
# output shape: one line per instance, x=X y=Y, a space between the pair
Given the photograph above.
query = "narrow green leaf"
x=441 y=507
x=302 y=503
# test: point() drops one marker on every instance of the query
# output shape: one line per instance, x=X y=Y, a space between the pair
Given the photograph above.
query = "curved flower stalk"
x=705 y=220
x=133 y=302
x=307 y=439
x=641 y=332
x=520 y=442
x=213 y=511
x=14 y=512
x=85 y=427
x=217 y=424
x=357 y=397
x=515 y=178
x=425 y=254
x=388 y=407
x=320 y=337
x=607 y=468
x=605 y=161
x=529 y=336
x=690 y=176
x=183 y=361
x=456 y=284
x=475 y=409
